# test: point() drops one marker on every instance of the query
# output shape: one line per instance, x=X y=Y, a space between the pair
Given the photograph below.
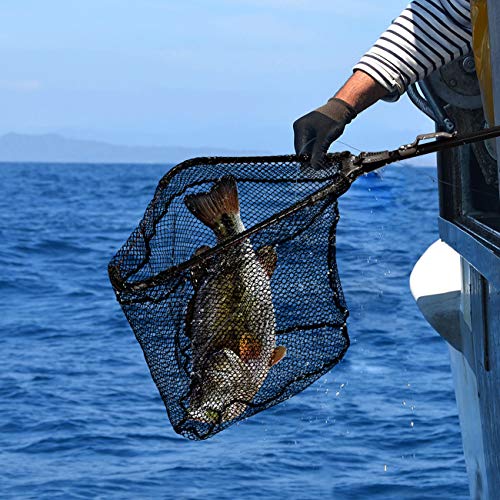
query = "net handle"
x=444 y=140
x=352 y=168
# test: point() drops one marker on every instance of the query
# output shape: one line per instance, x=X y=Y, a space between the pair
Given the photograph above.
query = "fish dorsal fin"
x=268 y=259
x=277 y=355
x=211 y=206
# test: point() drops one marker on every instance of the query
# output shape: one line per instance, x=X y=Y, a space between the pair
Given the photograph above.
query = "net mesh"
x=237 y=305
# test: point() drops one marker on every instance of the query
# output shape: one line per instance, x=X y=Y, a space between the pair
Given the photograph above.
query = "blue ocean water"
x=81 y=418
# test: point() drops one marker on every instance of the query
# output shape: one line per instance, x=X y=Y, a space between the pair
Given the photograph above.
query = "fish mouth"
x=223 y=391
x=204 y=416
x=217 y=416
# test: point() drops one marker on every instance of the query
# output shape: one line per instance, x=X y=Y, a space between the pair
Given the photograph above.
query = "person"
x=427 y=35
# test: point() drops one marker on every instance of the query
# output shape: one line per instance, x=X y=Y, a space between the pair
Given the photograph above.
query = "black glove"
x=315 y=132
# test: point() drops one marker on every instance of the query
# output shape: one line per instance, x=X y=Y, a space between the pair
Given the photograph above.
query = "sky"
x=223 y=73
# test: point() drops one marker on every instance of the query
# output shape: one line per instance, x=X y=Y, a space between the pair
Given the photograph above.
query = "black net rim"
x=339 y=183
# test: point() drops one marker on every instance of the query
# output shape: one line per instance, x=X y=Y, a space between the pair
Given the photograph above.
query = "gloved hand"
x=315 y=132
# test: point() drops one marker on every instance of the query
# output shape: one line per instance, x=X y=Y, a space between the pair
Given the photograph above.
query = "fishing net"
x=235 y=313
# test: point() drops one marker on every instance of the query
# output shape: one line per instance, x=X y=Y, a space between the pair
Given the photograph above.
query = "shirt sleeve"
x=427 y=35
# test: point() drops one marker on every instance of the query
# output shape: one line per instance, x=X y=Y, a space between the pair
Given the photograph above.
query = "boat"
x=456 y=282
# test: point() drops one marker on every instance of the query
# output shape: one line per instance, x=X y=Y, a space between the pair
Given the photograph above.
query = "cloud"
x=20 y=85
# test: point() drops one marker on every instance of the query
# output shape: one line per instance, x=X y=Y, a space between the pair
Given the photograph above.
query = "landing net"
x=230 y=285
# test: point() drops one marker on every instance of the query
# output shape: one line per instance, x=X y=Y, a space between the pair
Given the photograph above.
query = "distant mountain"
x=57 y=148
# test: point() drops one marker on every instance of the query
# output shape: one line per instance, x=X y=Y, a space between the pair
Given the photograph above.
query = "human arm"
x=315 y=132
x=427 y=35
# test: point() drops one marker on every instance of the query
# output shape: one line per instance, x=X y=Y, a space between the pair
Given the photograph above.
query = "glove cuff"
x=338 y=110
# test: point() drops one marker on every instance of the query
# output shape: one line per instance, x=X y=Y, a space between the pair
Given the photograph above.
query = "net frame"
x=137 y=291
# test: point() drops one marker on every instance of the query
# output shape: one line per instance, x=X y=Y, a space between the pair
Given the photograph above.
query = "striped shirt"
x=427 y=35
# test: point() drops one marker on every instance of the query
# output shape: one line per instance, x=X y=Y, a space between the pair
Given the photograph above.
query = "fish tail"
x=213 y=206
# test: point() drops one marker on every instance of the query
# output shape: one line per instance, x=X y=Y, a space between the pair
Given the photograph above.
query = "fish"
x=231 y=318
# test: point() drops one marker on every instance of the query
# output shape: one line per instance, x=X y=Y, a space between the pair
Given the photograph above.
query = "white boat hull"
x=464 y=308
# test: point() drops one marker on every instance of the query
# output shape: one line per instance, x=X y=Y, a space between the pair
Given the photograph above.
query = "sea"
x=80 y=416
